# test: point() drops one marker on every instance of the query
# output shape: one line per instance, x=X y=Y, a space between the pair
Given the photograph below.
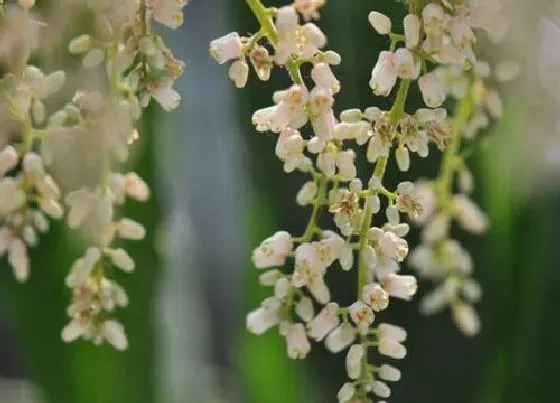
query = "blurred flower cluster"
x=137 y=67
x=435 y=51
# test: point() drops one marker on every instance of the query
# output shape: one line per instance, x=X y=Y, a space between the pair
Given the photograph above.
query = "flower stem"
x=267 y=25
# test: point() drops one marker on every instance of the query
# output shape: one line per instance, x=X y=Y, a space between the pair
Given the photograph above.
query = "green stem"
x=395 y=115
x=463 y=111
x=264 y=17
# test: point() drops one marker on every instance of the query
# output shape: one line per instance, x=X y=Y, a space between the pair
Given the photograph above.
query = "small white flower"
x=392 y=348
x=393 y=246
x=354 y=359
x=361 y=314
x=114 y=333
x=324 y=77
x=432 y=90
x=403 y=287
x=380 y=22
x=273 y=251
x=340 y=338
x=381 y=389
x=469 y=215
x=384 y=75
x=226 y=48
x=389 y=373
x=239 y=73
x=304 y=309
x=297 y=343
x=466 y=318
x=264 y=317
x=391 y=332
x=412 y=30
x=375 y=296
x=346 y=392
x=8 y=159
x=307 y=193
x=324 y=322
x=130 y=229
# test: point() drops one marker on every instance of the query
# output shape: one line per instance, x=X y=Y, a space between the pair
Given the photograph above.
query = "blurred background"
x=219 y=190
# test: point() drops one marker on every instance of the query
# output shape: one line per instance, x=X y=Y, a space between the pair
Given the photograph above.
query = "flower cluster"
x=439 y=257
x=138 y=67
x=314 y=141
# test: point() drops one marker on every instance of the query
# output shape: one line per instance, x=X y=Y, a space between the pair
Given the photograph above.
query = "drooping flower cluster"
x=312 y=140
x=138 y=67
x=439 y=257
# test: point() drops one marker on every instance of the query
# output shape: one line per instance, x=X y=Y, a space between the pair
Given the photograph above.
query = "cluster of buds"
x=437 y=38
x=139 y=67
x=29 y=196
x=439 y=257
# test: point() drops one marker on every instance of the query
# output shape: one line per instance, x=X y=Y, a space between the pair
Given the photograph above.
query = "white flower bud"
x=93 y=58
x=324 y=322
x=392 y=348
x=297 y=343
x=466 y=319
x=412 y=30
x=333 y=58
x=354 y=361
x=122 y=260
x=403 y=287
x=432 y=90
x=380 y=22
x=381 y=389
x=239 y=73
x=375 y=296
x=114 y=333
x=392 y=214
x=8 y=159
x=403 y=158
x=17 y=257
x=340 y=338
x=130 y=229
x=304 y=309
x=346 y=392
x=389 y=373
x=269 y=278
x=307 y=193
x=226 y=48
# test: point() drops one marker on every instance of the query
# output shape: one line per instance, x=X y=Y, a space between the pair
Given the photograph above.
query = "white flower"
x=169 y=13
x=266 y=316
x=74 y=330
x=121 y=259
x=381 y=389
x=393 y=246
x=380 y=22
x=389 y=373
x=466 y=318
x=391 y=348
x=166 y=96
x=432 y=90
x=412 y=30
x=309 y=272
x=273 y=251
x=324 y=322
x=375 y=296
x=226 y=48
x=130 y=229
x=434 y=18
x=304 y=309
x=361 y=314
x=346 y=392
x=469 y=215
x=8 y=159
x=324 y=77
x=391 y=332
x=307 y=193
x=340 y=338
x=384 y=75
x=403 y=287
x=297 y=343
x=239 y=73
x=18 y=259
x=405 y=64
x=354 y=359
x=114 y=333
